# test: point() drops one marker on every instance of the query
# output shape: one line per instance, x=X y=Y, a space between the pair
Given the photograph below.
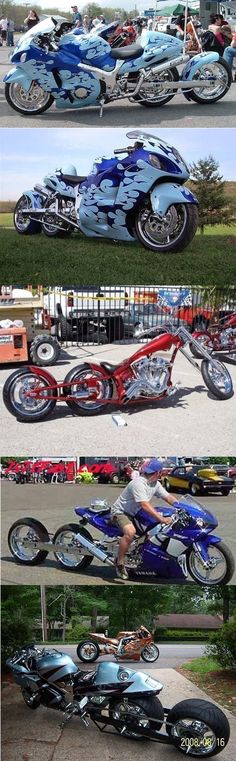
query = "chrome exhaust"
x=99 y=554
x=167 y=65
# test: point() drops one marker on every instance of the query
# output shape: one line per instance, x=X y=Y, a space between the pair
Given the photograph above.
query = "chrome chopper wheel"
x=217 y=378
x=24 y=407
x=24 y=225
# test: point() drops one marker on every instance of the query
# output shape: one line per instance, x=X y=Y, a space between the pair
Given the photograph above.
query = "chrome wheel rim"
x=21 y=222
x=88 y=650
x=158 y=93
x=28 y=405
x=16 y=541
x=30 y=101
x=220 y=377
x=213 y=575
x=69 y=559
x=103 y=390
x=206 y=72
x=150 y=653
x=200 y=738
x=47 y=225
x=162 y=232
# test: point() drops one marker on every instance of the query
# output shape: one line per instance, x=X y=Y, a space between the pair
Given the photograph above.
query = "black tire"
x=167 y=485
x=74 y=528
x=40 y=354
x=198 y=99
x=114 y=328
x=205 y=370
x=151 y=706
x=40 y=532
x=23 y=414
x=114 y=478
x=92 y=658
x=194 y=489
x=173 y=77
x=25 y=112
x=183 y=238
x=76 y=407
x=225 y=492
x=64 y=329
x=200 y=711
x=31 y=226
x=30 y=700
x=155 y=649
x=230 y=563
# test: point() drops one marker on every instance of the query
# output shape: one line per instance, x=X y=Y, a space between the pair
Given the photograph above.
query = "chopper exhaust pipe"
x=99 y=554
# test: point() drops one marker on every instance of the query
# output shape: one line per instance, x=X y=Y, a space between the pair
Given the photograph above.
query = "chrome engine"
x=227 y=336
x=152 y=377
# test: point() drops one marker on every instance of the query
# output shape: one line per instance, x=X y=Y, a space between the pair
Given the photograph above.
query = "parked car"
x=107 y=471
x=197 y=480
x=232 y=472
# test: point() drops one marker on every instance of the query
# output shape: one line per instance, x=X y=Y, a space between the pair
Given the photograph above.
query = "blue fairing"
x=196 y=62
x=169 y=193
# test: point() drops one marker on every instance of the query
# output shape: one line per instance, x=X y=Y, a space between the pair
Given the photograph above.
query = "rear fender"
x=196 y=62
x=36 y=201
x=168 y=193
x=18 y=75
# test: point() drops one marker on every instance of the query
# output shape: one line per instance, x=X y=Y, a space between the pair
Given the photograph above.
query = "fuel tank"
x=55 y=667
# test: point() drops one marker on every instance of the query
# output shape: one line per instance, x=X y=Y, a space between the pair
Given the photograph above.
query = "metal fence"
x=112 y=314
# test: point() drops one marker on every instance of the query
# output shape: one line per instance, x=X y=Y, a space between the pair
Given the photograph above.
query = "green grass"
x=210 y=259
x=6 y=220
x=201 y=665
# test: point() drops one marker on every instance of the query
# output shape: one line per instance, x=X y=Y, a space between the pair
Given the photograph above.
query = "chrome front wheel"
x=31 y=102
x=217 y=378
x=171 y=233
x=219 y=568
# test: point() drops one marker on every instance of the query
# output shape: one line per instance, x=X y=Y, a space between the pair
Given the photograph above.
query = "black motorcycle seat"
x=107 y=366
x=131 y=51
x=73 y=179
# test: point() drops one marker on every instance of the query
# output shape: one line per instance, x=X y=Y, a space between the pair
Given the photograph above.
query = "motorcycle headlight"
x=200 y=522
x=23 y=57
x=154 y=160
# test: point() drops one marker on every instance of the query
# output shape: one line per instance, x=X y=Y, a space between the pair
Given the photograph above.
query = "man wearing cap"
x=136 y=496
x=76 y=18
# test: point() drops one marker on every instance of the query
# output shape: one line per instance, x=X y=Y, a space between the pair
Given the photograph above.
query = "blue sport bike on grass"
x=138 y=193
x=184 y=548
x=52 y=63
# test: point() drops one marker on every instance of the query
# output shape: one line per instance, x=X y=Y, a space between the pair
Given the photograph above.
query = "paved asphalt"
x=53 y=505
x=177 y=113
x=191 y=420
x=36 y=735
x=171 y=656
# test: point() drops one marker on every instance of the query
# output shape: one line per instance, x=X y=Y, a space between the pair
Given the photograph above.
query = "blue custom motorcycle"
x=184 y=548
x=138 y=195
x=53 y=63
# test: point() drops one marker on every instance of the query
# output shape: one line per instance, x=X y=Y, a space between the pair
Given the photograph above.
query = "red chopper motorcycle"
x=30 y=393
x=220 y=336
x=126 y=646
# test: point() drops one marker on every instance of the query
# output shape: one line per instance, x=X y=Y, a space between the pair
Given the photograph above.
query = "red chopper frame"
x=115 y=377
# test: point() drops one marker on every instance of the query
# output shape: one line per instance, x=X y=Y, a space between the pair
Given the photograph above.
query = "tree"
x=209 y=186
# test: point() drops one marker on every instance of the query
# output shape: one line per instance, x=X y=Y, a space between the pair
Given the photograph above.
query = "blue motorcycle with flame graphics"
x=185 y=548
x=140 y=195
x=54 y=64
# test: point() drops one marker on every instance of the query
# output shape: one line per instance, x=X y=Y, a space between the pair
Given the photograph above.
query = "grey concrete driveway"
x=178 y=113
x=36 y=736
x=53 y=505
x=191 y=420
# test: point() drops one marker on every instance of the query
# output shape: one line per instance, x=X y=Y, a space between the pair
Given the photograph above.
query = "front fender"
x=42 y=373
x=196 y=62
x=35 y=199
x=202 y=545
x=18 y=75
x=162 y=196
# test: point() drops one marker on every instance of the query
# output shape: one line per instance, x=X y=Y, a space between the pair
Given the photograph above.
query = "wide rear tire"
x=38 y=529
x=149 y=707
x=86 y=407
x=226 y=71
x=199 y=711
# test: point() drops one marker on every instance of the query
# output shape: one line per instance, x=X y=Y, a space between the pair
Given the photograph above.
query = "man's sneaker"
x=121 y=572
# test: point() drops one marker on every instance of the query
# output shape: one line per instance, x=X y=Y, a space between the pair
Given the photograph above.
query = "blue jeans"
x=229 y=55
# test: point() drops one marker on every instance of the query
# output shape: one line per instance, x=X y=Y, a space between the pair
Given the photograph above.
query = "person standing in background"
x=32 y=19
x=10 y=33
x=76 y=17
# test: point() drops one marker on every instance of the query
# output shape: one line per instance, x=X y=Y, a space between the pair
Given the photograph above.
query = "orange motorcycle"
x=126 y=646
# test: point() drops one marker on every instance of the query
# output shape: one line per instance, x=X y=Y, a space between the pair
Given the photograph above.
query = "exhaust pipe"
x=99 y=554
x=167 y=65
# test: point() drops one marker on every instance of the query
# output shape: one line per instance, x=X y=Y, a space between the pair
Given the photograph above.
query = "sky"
x=28 y=154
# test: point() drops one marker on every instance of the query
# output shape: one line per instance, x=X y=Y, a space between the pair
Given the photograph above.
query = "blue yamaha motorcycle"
x=184 y=548
x=119 y=697
x=54 y=64
x=138 y=195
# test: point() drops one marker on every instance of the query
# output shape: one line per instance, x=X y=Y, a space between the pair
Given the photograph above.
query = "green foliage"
x=17 y=630
x=163 y=634
x=209 y=186
x=222 y=645
x=201 y=665
x=79 y=630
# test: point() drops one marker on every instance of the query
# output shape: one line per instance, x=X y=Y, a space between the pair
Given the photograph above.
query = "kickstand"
x=101 y=102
